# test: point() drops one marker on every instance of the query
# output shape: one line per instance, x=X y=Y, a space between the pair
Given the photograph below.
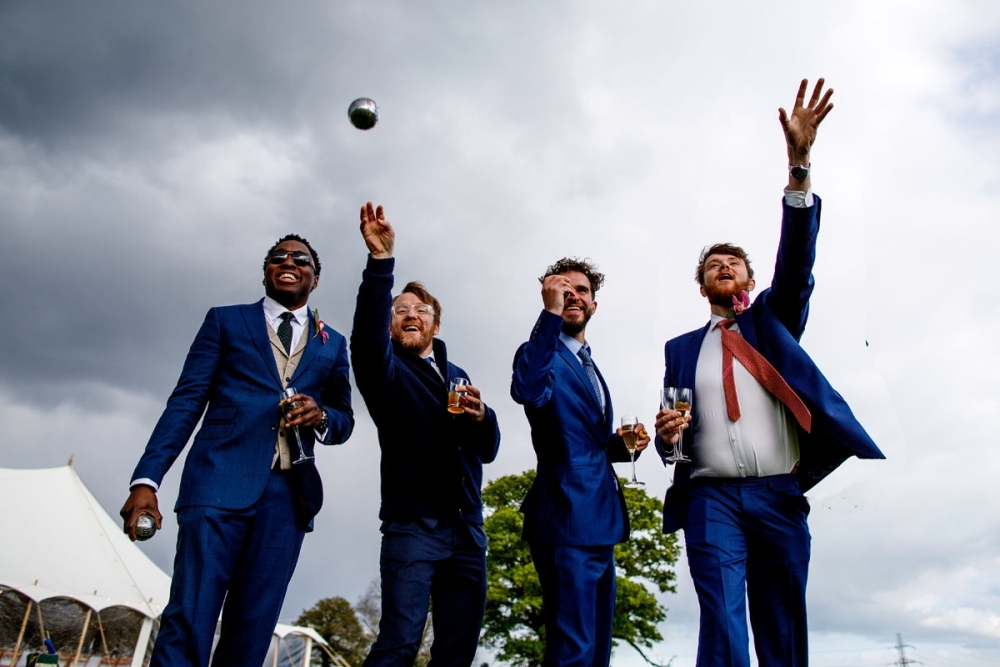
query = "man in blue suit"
x=765 y=427
x=433 y=542
x=245 y=502
x=574 y=512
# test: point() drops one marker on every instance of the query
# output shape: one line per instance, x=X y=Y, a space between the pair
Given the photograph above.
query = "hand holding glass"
x=679 y=399
x=455 y=396
x=631 y=437
x=287 y=405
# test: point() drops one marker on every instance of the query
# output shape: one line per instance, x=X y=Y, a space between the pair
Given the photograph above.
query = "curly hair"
x=294 y=237
x=585 y=266
x=721 y=249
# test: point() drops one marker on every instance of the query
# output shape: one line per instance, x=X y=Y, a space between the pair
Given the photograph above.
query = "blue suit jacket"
x=231 y=378
x=575 y=498
x=773 y=325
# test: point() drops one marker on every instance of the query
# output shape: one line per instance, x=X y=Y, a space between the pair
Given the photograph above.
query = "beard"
x=414 y=343
x=722 y=294
x=573 y=328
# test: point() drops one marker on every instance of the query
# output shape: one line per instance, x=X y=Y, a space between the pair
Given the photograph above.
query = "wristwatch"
x=799 y=172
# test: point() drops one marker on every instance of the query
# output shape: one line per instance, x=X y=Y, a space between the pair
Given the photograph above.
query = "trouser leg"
x=458 y=598
x=209 y=541
x=777 y=569
x=717 y=557
x=260 y=578
x=571 y=579
x=406 y=575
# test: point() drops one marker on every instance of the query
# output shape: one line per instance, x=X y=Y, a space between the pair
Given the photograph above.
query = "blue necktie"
x=588 y=366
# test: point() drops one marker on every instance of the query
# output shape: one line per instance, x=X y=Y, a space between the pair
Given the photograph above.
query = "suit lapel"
x=581 y=374
x=253 y=317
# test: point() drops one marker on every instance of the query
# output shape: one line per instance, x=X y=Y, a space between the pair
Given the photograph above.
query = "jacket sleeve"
x=793 y=281
x=486 y=437
x=336 y=399
x=371 y=347
x=533 y=379
x=186 y=403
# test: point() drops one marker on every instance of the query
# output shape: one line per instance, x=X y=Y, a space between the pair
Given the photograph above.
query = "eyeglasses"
x=420 y=309
x=300 y=258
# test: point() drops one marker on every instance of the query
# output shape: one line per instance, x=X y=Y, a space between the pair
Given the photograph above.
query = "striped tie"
x=733 y=345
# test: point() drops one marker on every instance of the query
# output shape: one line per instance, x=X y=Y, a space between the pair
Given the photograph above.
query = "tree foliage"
x=513 y=622
x=352 y=630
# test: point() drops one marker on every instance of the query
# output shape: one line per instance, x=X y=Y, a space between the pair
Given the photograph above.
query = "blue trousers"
x=243 y=557
x=437 y=562
x=748 y=545
x=578 y=603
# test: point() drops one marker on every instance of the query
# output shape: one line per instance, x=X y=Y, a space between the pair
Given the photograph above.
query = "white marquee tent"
x=68 y=571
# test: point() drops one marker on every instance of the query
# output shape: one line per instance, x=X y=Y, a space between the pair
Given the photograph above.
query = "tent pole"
x=308 y=654
x=83 y=635
x=139 y=655
x=20 y=635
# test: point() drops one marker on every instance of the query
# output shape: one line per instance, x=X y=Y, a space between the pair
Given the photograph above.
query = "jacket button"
x=274 y=427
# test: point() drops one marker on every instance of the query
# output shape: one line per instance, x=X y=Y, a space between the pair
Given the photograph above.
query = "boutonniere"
x=740 y=303
x=323 y=335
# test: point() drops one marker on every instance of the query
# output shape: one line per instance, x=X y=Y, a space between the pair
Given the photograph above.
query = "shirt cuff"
x=321 y=435
x=143 y=480
x=799 y=199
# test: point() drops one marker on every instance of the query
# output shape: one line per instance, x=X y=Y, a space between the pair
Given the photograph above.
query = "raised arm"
x=533 y=379
x=792 y=284
x=371 y=349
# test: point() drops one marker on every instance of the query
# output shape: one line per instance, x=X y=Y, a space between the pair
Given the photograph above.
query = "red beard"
x=721 y=294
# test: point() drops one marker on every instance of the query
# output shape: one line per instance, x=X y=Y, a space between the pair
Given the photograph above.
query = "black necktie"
x=285 y=331
x=588 y=366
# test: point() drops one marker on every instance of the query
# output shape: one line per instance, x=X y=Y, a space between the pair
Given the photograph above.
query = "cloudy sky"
x=151 y=152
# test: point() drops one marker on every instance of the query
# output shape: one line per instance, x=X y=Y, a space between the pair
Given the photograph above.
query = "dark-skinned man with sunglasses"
x=433 y=543
x=249 y=490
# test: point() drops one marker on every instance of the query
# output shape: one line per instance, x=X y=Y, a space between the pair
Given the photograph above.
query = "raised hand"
x=554 y=291
x=378 y=233
x=800 y=127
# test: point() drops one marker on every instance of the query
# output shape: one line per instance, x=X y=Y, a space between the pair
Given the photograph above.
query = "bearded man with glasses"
x=245 y=502
x=433 y=543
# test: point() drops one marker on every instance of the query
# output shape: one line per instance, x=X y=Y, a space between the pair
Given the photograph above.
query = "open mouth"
x=286 y=277
x=411 y=328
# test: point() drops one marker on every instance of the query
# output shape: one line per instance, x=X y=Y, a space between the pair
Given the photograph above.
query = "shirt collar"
x=573 y=344
x=273 y=311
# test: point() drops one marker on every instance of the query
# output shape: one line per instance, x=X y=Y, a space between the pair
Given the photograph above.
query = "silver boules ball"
x=363 y=113
x=145 y=527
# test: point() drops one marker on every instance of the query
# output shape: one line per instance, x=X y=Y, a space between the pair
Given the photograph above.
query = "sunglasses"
x=300 y=258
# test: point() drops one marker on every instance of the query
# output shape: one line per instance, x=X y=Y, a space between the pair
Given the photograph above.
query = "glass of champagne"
x=287 y=405
x=455 y=395
x=679 y=399
x=629 y=434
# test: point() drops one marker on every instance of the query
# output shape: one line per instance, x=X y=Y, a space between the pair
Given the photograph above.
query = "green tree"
x=513 y=622
x=336 y=621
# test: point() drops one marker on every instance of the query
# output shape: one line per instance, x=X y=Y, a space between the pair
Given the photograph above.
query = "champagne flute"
x=679 y=399
x=287 y=405
x=631 y=437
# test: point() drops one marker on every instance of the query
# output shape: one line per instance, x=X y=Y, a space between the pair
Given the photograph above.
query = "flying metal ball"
x=363 y=113
x=145 y=527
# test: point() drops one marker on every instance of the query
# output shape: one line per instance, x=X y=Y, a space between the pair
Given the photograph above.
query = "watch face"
x=799 y=173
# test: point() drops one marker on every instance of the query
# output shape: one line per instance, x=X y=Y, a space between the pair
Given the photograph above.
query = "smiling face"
x=412 y=330
x=579 y=305
x=725 y=276
x=288 y=283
